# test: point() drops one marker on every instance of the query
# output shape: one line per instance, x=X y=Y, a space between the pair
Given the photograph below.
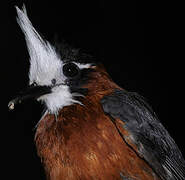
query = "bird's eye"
x=70 y=70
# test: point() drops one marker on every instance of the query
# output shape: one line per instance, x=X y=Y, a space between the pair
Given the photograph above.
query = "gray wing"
x=151 y=138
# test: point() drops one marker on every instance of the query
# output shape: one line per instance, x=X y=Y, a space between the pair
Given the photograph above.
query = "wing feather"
x=153 y=141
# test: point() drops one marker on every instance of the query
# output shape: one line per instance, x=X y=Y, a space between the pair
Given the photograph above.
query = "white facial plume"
x=46 y=65
x=44 y=62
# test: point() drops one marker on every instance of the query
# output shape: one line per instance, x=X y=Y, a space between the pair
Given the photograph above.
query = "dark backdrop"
x=139 y=44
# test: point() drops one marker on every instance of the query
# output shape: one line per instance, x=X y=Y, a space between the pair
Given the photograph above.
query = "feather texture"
x=45 y=65
x=146 y=132
x=44 y=61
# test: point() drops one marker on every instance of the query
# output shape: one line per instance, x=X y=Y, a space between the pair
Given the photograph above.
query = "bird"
x=92 y=129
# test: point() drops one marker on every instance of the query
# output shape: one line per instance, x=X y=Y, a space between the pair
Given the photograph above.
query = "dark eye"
x=70 y=70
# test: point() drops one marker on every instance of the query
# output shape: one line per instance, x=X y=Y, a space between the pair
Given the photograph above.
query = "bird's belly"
x=96 y=151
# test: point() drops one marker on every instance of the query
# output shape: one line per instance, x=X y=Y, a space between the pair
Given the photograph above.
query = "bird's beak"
x=32 y=92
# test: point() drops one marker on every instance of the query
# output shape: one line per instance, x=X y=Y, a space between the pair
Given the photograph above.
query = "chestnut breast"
x=83 y=143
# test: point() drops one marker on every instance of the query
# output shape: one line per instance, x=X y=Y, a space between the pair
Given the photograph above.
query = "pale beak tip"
x=11 y=105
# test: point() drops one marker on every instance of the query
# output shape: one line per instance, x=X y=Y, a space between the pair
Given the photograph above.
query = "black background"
x=139 y=44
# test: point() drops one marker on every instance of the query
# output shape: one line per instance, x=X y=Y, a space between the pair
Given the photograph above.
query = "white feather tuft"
x=46 y=65
x=44 y=61
x=59 y=98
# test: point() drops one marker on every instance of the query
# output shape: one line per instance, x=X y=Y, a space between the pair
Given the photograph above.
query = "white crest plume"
x=46 y=65
x=44 y=61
